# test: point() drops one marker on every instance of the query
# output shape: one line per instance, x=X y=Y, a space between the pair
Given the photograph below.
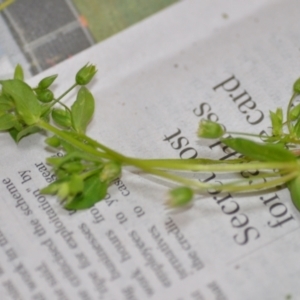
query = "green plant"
x=88 y=167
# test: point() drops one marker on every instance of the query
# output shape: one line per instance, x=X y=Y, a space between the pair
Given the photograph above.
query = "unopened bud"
x=53 y=141
x=210 y=130
x=44 y=95
x=85 y=74
x=61 y=117
x=46 y=82
x=180 y=196
x=110 y=171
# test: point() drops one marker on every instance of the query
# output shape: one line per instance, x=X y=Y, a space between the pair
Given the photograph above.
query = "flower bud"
x=110 y=171
x=296 y=86
x=53 y=141
x=61 y=117
x=85 y=74
x=210 y=130
x=180 y=196
x=44 y=95
x=46 y=82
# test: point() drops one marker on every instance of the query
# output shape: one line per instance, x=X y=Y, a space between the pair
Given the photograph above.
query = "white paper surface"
x=155 y=80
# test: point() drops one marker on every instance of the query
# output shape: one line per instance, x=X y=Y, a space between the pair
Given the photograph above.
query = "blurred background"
x=39 y=34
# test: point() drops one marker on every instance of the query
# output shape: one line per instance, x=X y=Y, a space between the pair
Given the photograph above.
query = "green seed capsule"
x=85 y=74
x=210 y=130
x=61 y=117
x=53 y=141
x=44 y=95
x=180 y=196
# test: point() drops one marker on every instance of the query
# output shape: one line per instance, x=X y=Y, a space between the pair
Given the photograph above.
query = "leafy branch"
x=88 y=167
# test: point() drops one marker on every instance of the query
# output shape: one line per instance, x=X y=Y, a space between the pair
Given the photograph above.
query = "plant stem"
x=232 y=187
x=288 y=120
x=181 y=165
x=61 y=96
x=69 y=139
x=153 y=166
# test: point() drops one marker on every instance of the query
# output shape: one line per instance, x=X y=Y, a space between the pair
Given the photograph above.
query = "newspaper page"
x=229 y=62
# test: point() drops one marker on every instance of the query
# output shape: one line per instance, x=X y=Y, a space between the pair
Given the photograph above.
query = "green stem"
x=288 y=120
x=232 y=187
x=180 y=165
x=245 y=134
x=60 y=97
x=69 y=139
x=150 y=166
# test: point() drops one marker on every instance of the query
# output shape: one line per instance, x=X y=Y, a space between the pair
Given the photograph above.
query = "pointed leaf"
x=294 y=188
x=19 y=74
x=24 y=98
x=27 y=131
x=7 y=121
x=277 y=121
x=258 y=151
x=82 y=110
x=5 y=103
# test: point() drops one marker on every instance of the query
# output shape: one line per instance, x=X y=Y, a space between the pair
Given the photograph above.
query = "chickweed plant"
x=87 y=168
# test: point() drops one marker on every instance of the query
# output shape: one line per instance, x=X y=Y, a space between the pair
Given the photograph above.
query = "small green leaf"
x=7 y=121
x=13 y=133
x=24 y=98
x=258 y=151
x=27 y=131
x=75 y=185
x=82 y=110
x=94 y=191
x=294 y=188
x=295 y=112
x=296 y=128
x=19 y=74
x=62 y=117
x=5 y=103
x=277 y=121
